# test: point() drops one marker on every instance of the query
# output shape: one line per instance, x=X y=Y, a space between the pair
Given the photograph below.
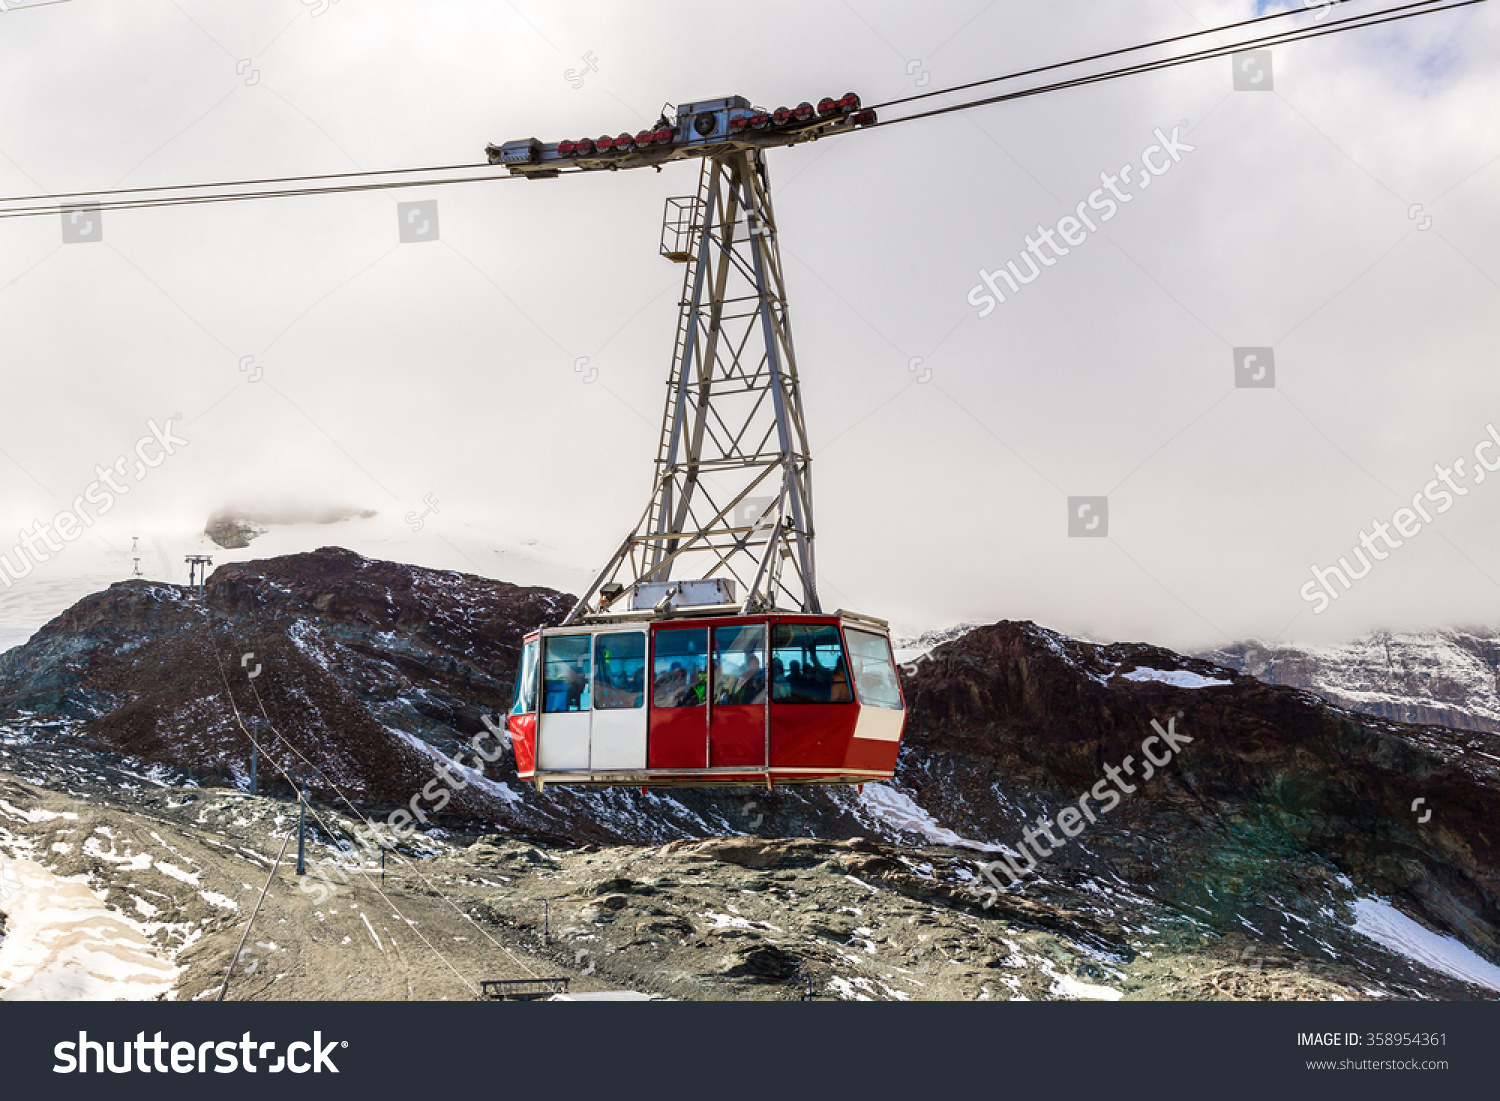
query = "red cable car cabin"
x=775 y=698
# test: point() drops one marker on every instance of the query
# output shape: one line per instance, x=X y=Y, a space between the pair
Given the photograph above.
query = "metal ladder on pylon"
x=697 y=215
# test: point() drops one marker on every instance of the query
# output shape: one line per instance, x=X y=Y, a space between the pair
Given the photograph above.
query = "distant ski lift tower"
x=198 y=571
x=135 y=547
x=730 y=512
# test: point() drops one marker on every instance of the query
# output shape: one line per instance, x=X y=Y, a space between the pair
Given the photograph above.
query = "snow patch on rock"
x=1388 y=926
x=1177 y=678
x=892 y=807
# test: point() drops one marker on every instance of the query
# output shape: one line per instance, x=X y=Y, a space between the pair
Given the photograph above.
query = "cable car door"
x=737 y=727
x=679 y=698
x=563 y=725
x=618 y=735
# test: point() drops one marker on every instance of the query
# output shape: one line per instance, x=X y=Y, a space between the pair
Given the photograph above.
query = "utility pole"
x=546 y=920
x=255 y=755
x=197 y=565
x=302 y=833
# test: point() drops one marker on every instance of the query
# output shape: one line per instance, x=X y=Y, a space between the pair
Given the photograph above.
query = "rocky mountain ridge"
x=1439 y=678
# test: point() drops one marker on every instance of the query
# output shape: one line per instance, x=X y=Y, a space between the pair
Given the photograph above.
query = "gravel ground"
x=717 y=918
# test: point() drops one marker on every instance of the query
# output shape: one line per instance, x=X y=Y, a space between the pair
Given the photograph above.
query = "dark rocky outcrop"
x=353 y=654
x=232 y=533
x=1277 y=786
x=235 y=528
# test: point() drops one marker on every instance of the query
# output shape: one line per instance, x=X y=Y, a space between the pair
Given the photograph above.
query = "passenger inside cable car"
x=681 y=668
x=813 y=660
x=566 y=674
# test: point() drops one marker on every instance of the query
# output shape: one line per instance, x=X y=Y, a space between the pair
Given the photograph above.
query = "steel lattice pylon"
x=733 y=494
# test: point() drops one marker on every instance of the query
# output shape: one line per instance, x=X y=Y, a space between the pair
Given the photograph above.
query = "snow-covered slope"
x=915 y=648
x=63 y=943
x=1444 y=678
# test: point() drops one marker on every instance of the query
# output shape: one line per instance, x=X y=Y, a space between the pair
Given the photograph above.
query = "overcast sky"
x=1346 y=219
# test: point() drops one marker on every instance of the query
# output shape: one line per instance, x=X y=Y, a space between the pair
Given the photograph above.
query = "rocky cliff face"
x=1274 y=815
x=1277 y=793
x=231 y=533
x=362 y=667
x=1438 y=678
x=235 y=528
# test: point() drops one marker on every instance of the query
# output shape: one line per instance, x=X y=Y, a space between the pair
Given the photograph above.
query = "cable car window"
x=681 y=669
x=619 y=671
x=807 y=664
x=874 y=670
x=565 y=673
x=525 y=698
x=740 y=664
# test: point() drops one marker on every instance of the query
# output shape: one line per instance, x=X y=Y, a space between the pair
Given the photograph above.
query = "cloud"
x=391 y=370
